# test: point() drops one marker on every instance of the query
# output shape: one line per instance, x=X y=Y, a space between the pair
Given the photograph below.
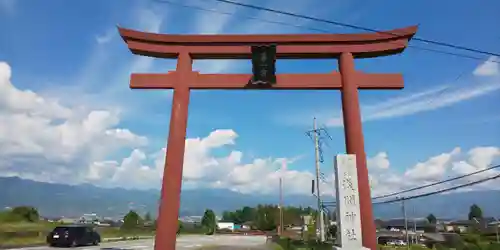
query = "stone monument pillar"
x=349 y=236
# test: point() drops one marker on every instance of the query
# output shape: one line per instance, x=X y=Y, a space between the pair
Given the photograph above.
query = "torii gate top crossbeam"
x=291 y=46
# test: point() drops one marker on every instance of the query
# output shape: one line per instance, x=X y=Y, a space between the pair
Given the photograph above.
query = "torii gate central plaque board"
x=185 y=48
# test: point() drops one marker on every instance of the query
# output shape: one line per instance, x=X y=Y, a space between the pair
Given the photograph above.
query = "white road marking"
x=190 y=246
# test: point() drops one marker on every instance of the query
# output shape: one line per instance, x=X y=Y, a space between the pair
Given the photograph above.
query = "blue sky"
x=71 y=52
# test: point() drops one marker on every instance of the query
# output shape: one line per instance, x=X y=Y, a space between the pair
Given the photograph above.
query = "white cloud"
x=427 y=100
x=39 y=135
x=489 y=68
x=202 y=169
x=439 y=97
x=434 y=168
x=440 y=167
x=261 y=175
x=106 y=37
x=379 y=161
x=430 y=102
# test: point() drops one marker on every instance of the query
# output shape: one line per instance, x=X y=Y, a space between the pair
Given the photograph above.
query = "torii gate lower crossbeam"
x=185 y=48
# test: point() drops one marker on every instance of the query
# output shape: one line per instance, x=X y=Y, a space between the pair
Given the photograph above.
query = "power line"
x=357 y=27
x=333 y=203
x=234 y=14
x=312 y=28
x=440 y=191
x=434 y=183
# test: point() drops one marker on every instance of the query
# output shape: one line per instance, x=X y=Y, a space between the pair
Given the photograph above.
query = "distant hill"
x=67 y=200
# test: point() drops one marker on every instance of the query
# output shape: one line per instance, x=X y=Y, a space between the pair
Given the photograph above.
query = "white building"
x=225 y=225
x=90 y=219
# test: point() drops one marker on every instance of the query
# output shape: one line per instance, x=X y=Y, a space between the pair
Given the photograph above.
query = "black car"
x=73 y=235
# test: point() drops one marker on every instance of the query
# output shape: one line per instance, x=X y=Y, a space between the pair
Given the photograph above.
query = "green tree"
x=475 y=212
x=208 y=221
x=131 y=220
x=247 y=214
x=267 y=217
x=227 y=216
x=236 y=216
x=26 y=213
x=431 y=219
x=147 y=217
x=293 y=215
x=180 y=226
x=473 y=239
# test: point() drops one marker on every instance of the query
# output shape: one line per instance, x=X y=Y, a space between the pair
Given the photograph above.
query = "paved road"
x=183 y=243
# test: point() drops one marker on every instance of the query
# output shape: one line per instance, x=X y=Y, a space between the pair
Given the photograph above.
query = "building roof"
x=384 y=233
x=401 y=223
x=482 y=222
x=435 y=237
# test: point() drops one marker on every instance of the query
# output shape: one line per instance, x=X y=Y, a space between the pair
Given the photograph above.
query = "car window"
x=61 y=230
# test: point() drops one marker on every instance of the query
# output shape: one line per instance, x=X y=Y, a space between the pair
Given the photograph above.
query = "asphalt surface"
x=183 y=243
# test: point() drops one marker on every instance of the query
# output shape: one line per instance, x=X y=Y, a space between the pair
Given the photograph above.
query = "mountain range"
x=74 y=200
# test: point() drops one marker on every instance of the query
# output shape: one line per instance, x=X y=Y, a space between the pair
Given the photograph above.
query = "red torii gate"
x=185 y=48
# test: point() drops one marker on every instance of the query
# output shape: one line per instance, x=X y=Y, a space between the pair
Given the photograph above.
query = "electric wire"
x=433 y=192
x=357 y=27
x=439 y=191
x=435 y=183
x=412 y=46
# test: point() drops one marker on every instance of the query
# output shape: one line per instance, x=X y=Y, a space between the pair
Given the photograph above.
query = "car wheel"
x=95 y=243
x=73 y=244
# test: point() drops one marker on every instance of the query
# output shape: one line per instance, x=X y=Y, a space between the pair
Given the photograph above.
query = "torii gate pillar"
x=185 y=48
x=355 y=144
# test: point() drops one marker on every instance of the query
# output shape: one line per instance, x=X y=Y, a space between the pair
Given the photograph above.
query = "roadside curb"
x=115 y=239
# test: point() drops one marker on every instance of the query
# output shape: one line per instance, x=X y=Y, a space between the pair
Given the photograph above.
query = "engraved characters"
x=349 y=200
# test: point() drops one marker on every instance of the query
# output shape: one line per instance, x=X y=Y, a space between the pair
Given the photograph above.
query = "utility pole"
x=414 y=226
x=317 y=135
x=406 y=224
x=281 y=205
x=318 y=193
x=282 y=175
x=496 y=227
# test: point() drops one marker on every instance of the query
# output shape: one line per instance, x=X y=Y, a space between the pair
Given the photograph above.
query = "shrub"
x=472 y=238
x=494 y=246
